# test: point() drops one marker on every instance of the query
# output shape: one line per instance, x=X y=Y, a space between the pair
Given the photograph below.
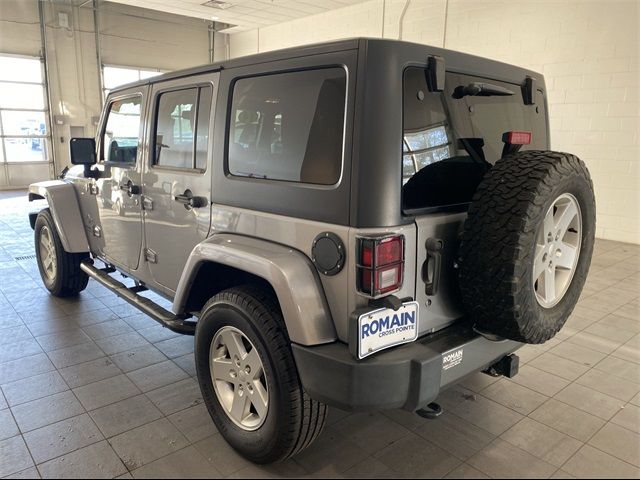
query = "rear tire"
x=292 y=420
x=60 y=270
x=527 y=245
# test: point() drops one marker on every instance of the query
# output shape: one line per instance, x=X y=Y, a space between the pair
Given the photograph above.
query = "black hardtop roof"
x=456 y=61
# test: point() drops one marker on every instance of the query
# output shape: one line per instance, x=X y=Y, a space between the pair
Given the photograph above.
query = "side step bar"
x=175 y=323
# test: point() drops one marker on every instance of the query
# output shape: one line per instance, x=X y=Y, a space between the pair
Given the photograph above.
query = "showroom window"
x=23 y=112
x=113 y=77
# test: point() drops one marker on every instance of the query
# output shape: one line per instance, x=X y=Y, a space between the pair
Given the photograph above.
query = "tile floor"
x=91 y=388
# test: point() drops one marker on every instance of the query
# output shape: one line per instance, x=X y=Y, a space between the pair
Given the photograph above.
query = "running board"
x=175 y=323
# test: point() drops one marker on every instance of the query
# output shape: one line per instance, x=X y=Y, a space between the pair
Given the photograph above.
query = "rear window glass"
x=288 y=126
x=450 y=141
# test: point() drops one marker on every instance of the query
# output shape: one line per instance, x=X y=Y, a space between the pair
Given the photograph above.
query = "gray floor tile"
x=15 y=456
x=29 y=473
x=185 y=463
x=176 y=347
x=487 y=414
x=370 y=431
x=56 y=341
x=125 y=415
x=138 y=358
x=62 y=437
x=500 y=459
x=157 y=333
x=514 y=396
x=95 y=461
x=218 y=452
x=121 y=343
x=147 y=443
x=628 y=417
x=597 y=403
x=610 y=385
x=66 y=357
x=331 y=454
x=466 y=471
x=105 y=392
x=8 y=427
x=620 y=368
x=89 y=372
x=95 y=316
x=186 y=363
x=52 y=325
x=540 y=381
x=32 y=388
x=25 y=367
x=19 y=350
x=413 y=456
x=107 y=329
x=619 y=442
x=47 y=410
x=176 y=397
x=194 y=423
x=156 y=376
x=590 y=462
x=542 y=441
x=369 y=468
x=576 y=353
x=559 y=366
x=455 y=435
x=13 y=334
x=3 y=402
x=567 y=419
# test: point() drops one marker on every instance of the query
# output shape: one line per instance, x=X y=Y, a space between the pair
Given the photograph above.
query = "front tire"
x=249 y=379
x=60 y=270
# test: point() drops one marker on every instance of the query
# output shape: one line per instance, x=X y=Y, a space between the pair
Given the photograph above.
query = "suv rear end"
x=419 y=154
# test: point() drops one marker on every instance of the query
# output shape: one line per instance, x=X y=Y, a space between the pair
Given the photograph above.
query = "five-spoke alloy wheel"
x=557 y=250
x=238 y=378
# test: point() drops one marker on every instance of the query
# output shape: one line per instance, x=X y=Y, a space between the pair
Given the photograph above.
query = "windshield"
x=451 y=139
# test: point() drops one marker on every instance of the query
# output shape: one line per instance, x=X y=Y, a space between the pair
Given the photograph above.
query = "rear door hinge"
x=147 y=203
x=150 y=256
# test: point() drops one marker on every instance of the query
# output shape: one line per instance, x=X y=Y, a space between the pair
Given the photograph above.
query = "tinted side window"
x=120 y=137
x=288 y=126
x=182 y=128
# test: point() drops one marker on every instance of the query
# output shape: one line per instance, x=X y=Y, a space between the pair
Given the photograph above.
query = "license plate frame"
x=387 y=328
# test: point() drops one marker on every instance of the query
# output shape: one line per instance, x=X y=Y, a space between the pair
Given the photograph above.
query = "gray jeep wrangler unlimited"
x=359 y=224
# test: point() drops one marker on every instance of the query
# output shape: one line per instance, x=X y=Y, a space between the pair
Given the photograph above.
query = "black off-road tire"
x=499 y=244
x=293 y=420
x=68 y=279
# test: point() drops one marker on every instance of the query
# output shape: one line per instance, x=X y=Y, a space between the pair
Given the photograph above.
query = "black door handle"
x=130 y=188
x=190 y=201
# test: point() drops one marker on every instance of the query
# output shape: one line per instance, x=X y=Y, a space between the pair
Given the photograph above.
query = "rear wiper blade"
x=478 y=89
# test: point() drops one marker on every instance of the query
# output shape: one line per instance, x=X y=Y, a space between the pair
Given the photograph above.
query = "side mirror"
x=83 y=152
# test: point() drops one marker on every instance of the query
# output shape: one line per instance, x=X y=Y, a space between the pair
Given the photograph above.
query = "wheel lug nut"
x=247 y=370
x=233 y=374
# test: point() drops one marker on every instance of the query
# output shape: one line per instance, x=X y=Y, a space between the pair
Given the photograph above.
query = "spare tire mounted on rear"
x=527 y=245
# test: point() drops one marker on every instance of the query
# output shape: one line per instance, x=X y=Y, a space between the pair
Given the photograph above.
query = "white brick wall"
x=588 y=51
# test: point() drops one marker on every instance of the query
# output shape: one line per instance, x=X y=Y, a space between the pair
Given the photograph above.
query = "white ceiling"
x=244 y=14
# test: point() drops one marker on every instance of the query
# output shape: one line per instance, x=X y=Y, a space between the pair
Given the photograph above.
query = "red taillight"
x=381 y=265
x=517 y=138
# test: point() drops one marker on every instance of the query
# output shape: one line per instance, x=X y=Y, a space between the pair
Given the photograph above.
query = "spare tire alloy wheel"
x=557 y=250
x=527 y=245
x=238 y=378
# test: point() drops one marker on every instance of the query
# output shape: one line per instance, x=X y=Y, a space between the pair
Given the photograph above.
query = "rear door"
x=177 y=177
x=450 y=142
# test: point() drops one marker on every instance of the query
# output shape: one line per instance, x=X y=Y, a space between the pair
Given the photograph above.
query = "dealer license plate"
x=386 y=328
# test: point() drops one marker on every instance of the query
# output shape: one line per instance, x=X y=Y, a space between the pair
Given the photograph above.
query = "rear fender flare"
x=289 y=272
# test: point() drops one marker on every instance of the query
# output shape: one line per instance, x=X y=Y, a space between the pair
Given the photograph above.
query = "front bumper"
x=408 y=377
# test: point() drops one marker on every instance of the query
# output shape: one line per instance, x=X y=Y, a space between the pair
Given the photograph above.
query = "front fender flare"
x=65 y=211
x=290 y=273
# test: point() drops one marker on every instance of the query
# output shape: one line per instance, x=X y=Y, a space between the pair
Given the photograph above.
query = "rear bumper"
x=407 y=377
